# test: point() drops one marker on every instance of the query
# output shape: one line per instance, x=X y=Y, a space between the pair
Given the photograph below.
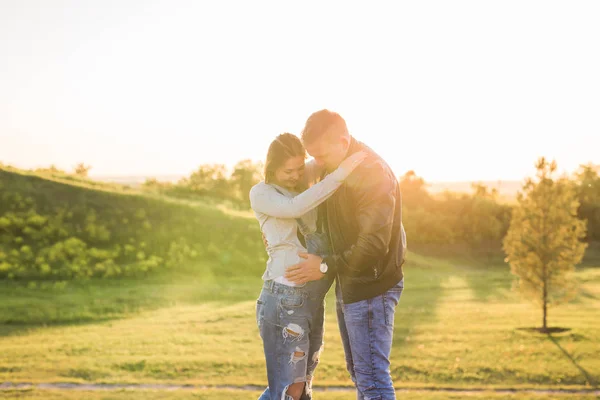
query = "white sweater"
x=276 y=215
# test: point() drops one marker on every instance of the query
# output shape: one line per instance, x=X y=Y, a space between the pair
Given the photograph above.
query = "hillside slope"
x=56 y=230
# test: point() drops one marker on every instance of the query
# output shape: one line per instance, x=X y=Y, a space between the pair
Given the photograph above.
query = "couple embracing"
x=336 y=219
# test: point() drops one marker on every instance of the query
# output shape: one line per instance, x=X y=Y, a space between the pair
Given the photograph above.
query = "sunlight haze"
x=465 y=90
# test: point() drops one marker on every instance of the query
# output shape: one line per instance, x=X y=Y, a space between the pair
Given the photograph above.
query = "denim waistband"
x=276 y=287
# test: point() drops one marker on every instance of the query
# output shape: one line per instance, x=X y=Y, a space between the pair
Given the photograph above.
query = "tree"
x=52 y=169
x=482 y=221
x=209 y=179
x=414 y=190
x=587 y=179
x=245 y=175
x=153 y=184
x=543 y=242
x=82 y=170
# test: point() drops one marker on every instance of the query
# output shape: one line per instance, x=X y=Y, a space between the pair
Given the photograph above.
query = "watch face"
x=323 y=268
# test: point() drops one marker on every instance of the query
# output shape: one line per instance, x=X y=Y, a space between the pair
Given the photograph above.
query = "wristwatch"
x=323 y=268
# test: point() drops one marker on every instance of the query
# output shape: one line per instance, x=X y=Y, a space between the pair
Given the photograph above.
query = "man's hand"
x=305 y=271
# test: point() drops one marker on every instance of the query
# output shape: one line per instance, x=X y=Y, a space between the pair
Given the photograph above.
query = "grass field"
x=456 y=326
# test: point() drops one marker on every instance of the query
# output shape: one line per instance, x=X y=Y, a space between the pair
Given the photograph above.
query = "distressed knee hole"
x=297 y=355
x=294 y=331
x=295 y=390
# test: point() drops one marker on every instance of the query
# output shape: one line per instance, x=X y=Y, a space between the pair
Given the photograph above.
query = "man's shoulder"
x=374 y=167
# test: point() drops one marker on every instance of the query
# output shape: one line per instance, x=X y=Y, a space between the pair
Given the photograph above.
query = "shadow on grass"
x=588 y=295
x=486 y=273
x=489 y=283
x=418 y=307
x=420 y=299
x=24 y=309
x=23 y=328
x=554 y=329
x=588 y=378
x=591 y=258
x=487 y=276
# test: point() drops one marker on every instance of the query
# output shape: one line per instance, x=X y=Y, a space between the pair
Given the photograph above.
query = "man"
x=364 y=221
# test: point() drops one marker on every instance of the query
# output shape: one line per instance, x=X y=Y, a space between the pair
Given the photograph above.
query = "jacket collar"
x=354 y=147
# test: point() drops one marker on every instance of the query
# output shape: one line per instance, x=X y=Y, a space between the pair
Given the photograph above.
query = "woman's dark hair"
x=284 y=147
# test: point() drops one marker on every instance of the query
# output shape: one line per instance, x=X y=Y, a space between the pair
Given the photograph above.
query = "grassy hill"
x=54 y=229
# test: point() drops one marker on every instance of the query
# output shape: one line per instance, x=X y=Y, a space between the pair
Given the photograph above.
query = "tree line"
x=476 y=221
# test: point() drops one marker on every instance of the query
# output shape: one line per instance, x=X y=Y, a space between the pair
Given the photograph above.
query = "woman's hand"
x=353 y=161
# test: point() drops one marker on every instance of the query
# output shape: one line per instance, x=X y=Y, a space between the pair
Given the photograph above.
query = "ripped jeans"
x=290 y=321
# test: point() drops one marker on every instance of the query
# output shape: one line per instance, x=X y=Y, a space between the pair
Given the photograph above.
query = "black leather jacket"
x=364 y=221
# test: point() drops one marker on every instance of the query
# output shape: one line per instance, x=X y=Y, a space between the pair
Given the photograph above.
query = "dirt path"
x=105 y=386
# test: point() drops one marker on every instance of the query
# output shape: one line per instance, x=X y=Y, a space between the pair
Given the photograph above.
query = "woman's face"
x=290 y=173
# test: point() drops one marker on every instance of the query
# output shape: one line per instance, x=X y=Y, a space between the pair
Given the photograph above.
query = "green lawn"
x=245 y=395
x=456 y=326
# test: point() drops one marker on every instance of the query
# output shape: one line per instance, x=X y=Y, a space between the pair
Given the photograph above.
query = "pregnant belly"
x=286 y=258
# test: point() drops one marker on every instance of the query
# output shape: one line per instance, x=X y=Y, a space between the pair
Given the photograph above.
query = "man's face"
x=328 y=152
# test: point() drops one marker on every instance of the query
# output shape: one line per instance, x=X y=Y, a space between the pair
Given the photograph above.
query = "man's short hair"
x=319 y=122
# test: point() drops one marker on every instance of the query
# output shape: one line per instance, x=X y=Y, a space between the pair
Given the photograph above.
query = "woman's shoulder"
x=259 y=188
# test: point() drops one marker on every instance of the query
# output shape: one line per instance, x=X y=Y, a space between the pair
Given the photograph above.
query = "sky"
x=455 y=90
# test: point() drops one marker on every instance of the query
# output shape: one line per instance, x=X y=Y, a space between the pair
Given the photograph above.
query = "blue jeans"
x=367 y=329
x=290 y=321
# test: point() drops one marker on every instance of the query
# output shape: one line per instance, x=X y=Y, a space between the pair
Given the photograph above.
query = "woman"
x=290 y=317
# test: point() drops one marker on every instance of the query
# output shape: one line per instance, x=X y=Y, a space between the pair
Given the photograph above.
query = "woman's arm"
x=265 y=199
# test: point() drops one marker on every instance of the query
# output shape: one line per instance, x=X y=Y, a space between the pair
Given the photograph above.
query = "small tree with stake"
x=543 y=243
